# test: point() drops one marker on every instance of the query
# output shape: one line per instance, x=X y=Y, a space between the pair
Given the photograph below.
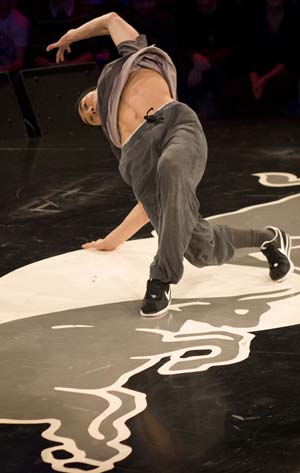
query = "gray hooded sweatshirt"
x=134 y=54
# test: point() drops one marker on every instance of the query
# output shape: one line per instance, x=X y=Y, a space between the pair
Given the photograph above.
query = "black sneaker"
x=157 y=298
x=277 y=251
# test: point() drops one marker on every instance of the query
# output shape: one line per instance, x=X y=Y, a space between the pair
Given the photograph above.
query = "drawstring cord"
x=152 y=118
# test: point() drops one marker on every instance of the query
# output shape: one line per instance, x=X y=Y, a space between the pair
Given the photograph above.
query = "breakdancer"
x=162 y=154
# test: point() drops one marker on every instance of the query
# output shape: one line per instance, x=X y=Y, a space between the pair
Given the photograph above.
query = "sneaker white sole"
x=290 y=271
x=157 y=314
x=287 y=253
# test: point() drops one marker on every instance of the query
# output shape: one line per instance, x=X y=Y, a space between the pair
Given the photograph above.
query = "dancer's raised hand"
x=62 y=45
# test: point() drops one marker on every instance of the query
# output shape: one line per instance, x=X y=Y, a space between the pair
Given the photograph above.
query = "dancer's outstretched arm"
x=135 y=220
x=110 y=24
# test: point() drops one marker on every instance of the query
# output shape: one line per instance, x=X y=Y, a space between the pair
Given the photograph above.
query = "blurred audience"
x=233 y=57
x=158 y=24
x=273 y=55
x=105 y=49
x=14 y=30
x=209 y=29
x=51 y=19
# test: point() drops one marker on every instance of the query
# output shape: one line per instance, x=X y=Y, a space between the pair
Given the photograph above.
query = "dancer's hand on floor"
x=100 y=245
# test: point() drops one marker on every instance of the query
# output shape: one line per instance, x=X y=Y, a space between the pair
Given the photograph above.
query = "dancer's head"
x=87 y=107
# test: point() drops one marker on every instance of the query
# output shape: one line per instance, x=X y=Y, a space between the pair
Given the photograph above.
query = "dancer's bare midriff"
x=145 y=89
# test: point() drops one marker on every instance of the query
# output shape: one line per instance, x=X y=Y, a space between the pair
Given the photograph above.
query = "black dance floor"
x=86 y=383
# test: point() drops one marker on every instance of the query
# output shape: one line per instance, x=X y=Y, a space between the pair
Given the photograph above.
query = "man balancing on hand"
x=162 y=154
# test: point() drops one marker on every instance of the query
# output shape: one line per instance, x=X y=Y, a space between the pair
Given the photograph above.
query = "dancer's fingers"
x=88 y=245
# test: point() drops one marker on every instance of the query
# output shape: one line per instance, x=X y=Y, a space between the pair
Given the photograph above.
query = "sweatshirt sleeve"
x=126 y=48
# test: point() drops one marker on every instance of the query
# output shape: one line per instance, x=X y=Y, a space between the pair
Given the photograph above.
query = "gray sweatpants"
x=163 y=162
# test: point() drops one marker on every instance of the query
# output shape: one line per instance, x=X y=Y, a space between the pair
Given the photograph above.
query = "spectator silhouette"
x=14 y=30
x=209 y=28
x=273 y=52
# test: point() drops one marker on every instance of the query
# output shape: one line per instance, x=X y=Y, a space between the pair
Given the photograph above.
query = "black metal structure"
x=52 y=92
x=11 y=119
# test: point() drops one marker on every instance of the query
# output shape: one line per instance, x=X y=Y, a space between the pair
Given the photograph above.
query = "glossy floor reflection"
x=86 y=383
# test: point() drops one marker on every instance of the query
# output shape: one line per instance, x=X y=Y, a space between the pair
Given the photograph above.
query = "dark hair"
x=78 y=100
